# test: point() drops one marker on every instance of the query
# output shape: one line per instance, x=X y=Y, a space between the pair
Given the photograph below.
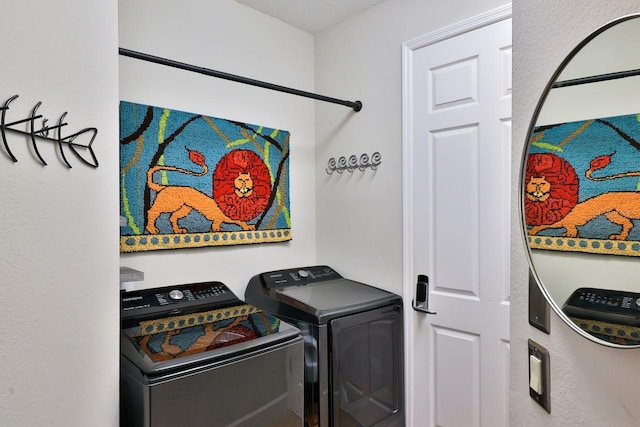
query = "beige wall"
x=58 y=227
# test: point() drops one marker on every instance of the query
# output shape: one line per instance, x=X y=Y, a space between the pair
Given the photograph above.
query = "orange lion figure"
x=179 y=201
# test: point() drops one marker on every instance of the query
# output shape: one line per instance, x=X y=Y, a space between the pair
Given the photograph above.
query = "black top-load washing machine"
x=353 y=344
x=195 y=355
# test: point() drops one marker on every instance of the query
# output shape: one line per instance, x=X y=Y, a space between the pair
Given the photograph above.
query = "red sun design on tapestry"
x=551 y=186
x=242 y=185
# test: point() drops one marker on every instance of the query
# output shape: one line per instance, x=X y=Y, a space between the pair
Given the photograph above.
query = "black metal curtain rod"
x=598 y=78
x=356 y=105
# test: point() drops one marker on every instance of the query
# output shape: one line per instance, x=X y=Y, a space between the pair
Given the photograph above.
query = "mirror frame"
x=525 y=152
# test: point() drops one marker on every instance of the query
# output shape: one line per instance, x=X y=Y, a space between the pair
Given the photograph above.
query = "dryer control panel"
x=606 y=305
x=299 y=276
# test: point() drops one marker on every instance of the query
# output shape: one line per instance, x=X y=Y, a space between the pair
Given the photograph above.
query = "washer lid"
x=180 y=343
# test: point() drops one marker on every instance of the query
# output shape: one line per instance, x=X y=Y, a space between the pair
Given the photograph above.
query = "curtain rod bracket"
x=356 y=105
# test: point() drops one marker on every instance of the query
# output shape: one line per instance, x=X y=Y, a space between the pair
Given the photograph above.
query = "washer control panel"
x=605 y=305
x=299 y=276
x=176 y=299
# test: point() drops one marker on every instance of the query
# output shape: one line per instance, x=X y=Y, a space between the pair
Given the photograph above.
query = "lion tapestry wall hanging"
x=189 y=180
x=582 y=186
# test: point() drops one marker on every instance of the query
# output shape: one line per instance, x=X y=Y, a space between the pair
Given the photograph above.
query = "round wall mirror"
x=580 y=187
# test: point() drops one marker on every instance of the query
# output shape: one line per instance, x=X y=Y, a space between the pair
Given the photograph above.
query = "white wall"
x=591 y=385
x=225 y=36
x=58 y=226
x=360 y=214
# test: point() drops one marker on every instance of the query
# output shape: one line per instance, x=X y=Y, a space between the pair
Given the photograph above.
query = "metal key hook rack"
x=43 y=134
x=354 y=163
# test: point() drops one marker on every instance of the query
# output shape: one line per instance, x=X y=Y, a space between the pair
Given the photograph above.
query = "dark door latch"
x=421 y=303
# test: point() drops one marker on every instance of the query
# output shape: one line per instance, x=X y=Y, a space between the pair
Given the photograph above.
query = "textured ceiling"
x=311 y=16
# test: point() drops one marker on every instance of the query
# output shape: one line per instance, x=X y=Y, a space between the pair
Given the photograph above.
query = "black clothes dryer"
x=353 y=344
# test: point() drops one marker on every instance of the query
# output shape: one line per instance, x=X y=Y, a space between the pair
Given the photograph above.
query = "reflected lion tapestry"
x=189 y=180
x=582 y=186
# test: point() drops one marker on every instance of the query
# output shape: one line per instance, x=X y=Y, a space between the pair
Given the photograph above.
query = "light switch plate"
x=541 y=354
x=538 y=307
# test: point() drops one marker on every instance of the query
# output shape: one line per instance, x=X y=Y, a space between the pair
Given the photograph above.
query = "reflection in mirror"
x=581 y=187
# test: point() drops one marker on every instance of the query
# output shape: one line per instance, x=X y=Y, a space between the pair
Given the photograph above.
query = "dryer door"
x=367 y=368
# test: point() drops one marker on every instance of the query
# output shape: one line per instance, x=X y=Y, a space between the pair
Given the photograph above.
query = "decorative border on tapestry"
x=595 y=246
x=197 y=240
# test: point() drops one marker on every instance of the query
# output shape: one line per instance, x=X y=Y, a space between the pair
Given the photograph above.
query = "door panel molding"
x=461 y=75
x=465 y=389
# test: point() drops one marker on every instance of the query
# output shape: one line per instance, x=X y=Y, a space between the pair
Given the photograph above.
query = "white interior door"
x=457 y=221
